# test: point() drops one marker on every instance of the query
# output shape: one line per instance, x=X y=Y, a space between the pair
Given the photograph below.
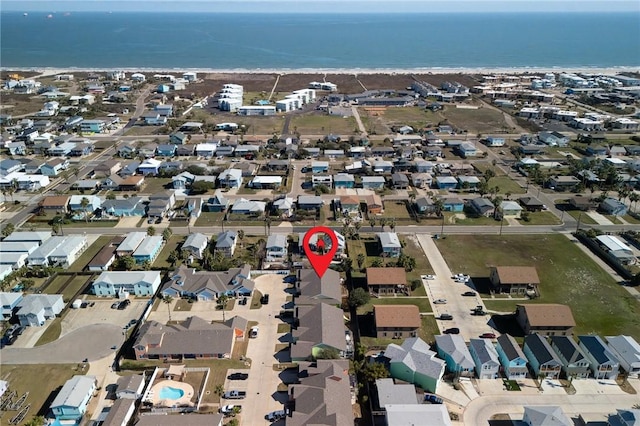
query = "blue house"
x=446 y=182
x=54 y=167
x=72 y=400
x=373 y=182
x=467 y=149
x=9 y=301
x=597 y=150
x=178 y=138
x=319 y=167
x=344 y=180
x=383 y=166
x=75 y=203
x=453 y=205
x=230 y=178
x=217 y=203
x=423 y=166
x=613 y=207
x=163 y=88
x=132 y=206
x=148 y=249
x=166 y=150
x=150 y=166
x=543 y=360
x=512 y=359
x=454 y=351
x=183 y=180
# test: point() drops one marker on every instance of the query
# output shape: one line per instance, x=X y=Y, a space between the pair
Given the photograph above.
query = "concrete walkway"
x=600 y=219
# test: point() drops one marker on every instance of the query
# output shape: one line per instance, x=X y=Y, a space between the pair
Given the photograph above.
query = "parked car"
x=234 y=394
x=265 y=299
x=254 y=332
x=115 y=305
x=230 y=409
x=488 y=335
x=428 y=277
x=290 y=279
x=276 y=415
x=440 y=301
x=446 y=316
x=133 y=322
x=433 y=399
x=452 y=330
x=238 y=376
x=242 y=301
x=469 y=293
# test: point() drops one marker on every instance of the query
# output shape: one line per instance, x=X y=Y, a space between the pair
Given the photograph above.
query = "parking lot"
x=102 y=312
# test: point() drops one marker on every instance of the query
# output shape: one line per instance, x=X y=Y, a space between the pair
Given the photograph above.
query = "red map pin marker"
x=320 y=262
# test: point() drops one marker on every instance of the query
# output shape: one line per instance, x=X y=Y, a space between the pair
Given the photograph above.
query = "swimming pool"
x=167 y=392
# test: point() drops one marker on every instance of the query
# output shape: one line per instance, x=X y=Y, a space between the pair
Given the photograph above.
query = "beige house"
x=515 y=280
x=547 y=319
x=387 y=280
x=396 y=321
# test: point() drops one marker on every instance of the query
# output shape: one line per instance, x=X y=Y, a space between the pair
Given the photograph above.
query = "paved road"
x=92 y=342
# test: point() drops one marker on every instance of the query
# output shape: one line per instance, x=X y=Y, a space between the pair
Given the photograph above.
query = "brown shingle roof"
x=55 y=201
x=373 y=200
x=386 y=276
x=350 y=199
x=549 y=315
x=518 y=275
x=397 y=316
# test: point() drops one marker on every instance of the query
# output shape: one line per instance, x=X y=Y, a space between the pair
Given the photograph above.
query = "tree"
x=377 y=263
x=36 y=421
x=358 y=297
x=392 y=224
x=328 y=353
x=168 y=299
x=634 y=197
x=347 y=264
x=406 y=262
x=360 y=259
x=219 y=390
x=173 y=258
x=84 y=203
x=373 y=371
x=202 y=186
x=222 y=302
x=241 y=236
x=383 y=223
x=372 y=222
x=56 y=224
x=126 y=263
x=8 y=229
x=166 y=234
x=151 y=231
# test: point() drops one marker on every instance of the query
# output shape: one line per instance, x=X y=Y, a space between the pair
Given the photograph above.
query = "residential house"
x=248 y=207
x=602 y=362
x=531 y=204
x=513 y=360
x=350 y=204
x=62 y=150
x=8 y=166
x=192 y=207
x=509 y=209
x=193 y=338
x=149 y=167
x=15 y=260
x=387 y=280
x=93 y=126
x=55 y=203
x=136 y=283
x=344 y=180
x=27 y=236
x=179 y=138
x=326 y=180
x=548 y=319
x=153 y=118
x=160 y=204
x=467 y=149
x=553 y=139
x=564 y=183
x=93 y=203
x=373 y=182
x=414 y=362
x=34 y=309
x=276 y=248
x=542 y=359
x=130 y=243
x=166 y=150
x=424 y=205
x=545 y=415
x=399 y=181
x=72 y=400
x=284 y=206
x=454 y=351
x=482 y=206
x=130 y=183
x=148 y=150
x=322 y=396
x=126 y=151
x=374 y=204
x=613 y=207
x=421 y=180
x=313 y=242
x=317 y=328
x=148 y=249
x=183 y=180
x=396 y=321
x=319 y=167
x=515 y=280
x=207 y=150
x=105 y=257
x=196 y=244
x=414 y=414
x=390 y=393
x=54 y=167
x=389 y=244
x=206 y=285
x=81 y=150
x=383 y=151
x=277 y=165
x=582 y=203
x=33 y=167
x=627 y=350
x=217 y=203
x=334 y=153
x=16 y=148
x=455 y=205
x=311 y=289
x=423 y=166
x=382 y=167
x=309 y=202
x=108 y=168
x=18 y=246
x=494 y=141
x=132 y=206
x=60 y=251
x=446 y=182
x=184 y=150
x=468 y=182
x=575 y=364
x=9 y=303
x=266 y=182
x=230 y=178
x=485 y=357
x=130 y=387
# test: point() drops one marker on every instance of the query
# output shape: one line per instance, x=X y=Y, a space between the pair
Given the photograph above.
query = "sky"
x=327 y=6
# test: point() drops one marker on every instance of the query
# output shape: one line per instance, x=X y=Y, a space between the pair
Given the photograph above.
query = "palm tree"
x=173 y=258
x=222 y=302
x=347 y=264
x=372 y=222
x=360 y=259
x=151 y=231
x=392 y=224
x=240 y=236
x=84 y=203
x=168 y=299
x=633 y=199
x=8 y=229
x=56 y=225
x=166 y=234
x=383 y=223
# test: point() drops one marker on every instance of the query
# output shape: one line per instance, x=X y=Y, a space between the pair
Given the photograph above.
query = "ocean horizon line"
x=390 y=71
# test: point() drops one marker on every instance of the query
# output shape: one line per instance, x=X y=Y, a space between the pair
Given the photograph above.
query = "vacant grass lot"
x=323 y=124
x=567 y=275
x=153 y=185
x=210 y=219
x=397 y=210
x=506 y=185
x=81 y=262
x=30 y=378
x=173 y=243
x=542 y=218
x=481 y=120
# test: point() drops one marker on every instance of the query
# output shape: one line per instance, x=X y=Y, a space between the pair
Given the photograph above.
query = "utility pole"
x=578 y=224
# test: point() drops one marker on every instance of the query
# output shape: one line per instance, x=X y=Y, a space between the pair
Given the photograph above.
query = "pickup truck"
x=234 y=394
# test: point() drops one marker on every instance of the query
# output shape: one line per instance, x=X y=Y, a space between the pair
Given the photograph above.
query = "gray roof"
x=399 y=178
x=277 y=240
x=185 y=279
x=409 y=414
x=121 y=204
x=373 y=179
x=182 y=420
x=344 y=177
x=34 y=303
x=39 y=236
x=453 y=344
x=485 y=351
x=311 y=286
x=391 y=393
x=119 y=411
x=510 y=347
x=541 y=349
x=598 y=349
x=226 y=239
x=542 y=415
x=196 y=240
x=18 y=246
x=130 y=383
x=45 y=250
x=416 y=355
x=148 y=245
x=626 y=348
x=309 y=199
x=318 y=324
x=242 y=205
x=74 y=391
x=568 y=348
x=132 y=241
x=389 y=239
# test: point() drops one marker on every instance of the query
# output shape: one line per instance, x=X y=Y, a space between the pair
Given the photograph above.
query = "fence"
x=270 y=271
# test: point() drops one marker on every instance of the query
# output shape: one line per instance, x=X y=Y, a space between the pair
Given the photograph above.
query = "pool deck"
x=154 y=394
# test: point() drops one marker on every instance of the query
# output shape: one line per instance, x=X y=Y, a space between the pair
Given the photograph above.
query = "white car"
x=440 y=301
x=276 y=415
x=229 y=409
x=428 y=277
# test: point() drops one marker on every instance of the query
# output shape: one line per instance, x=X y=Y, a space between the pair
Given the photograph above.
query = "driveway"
x=91 y=342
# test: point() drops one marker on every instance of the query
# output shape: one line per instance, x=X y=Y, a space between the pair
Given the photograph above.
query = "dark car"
x=446 y=316
x=238 y=376
x=265 y=299
x=115 y=305
x=488 y=335
x=469 y=293
x=290 y=279
x=453 y=330
x=434 y=399
x=132 y=322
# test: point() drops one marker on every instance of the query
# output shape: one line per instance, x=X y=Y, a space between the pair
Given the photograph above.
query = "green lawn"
x=481 y=120
x=210 y=219
x=174 y=242
x=81 y=262
x=52 y=333
x=396 y=210
x=567 y=276
x=56 y=284
x=323 y=124
x=584 y=218
x=154 y=185
x=422 y=303
x=75 y=285
x=506 y=184
x=541 y=218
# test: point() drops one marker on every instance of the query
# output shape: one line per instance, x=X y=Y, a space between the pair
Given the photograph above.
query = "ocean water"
x=319 y=41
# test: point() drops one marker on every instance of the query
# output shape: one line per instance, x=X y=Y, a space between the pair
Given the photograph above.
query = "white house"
x=196 y=244
x=485 y=356
x=137 y=283
x=276 y=248
x=627 y=350
x=35 y=309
